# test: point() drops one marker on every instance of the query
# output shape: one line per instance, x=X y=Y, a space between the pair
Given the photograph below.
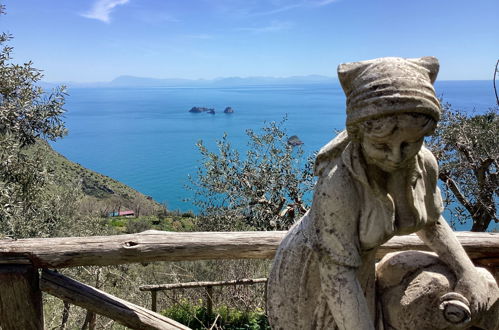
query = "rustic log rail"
x=154 y=245
x=20 y=298
x=154 y=288
x=97 y=301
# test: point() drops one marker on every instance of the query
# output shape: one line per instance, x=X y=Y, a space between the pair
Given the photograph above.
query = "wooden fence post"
x=154 y=301
x=20 y=298
x=265 y=296
x=90 y=321
x=65 y=316
x=209 y=299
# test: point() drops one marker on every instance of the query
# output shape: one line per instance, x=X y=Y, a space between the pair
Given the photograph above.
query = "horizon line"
x=219 y=78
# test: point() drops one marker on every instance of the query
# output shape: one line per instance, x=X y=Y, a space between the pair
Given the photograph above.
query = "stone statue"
x=377 y=180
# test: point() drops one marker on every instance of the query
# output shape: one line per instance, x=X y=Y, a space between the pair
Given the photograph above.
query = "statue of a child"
x=376 y=180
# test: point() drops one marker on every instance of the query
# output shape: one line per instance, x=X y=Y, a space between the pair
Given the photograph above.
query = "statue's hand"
x=476 y=289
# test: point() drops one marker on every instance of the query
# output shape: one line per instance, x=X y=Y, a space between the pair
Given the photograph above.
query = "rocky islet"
x=212 y=111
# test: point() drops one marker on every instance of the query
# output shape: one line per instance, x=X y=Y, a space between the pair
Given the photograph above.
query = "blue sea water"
x=145 y=137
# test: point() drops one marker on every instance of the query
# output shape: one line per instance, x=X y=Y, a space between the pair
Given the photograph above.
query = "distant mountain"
x=132 y=81
x=245 y=81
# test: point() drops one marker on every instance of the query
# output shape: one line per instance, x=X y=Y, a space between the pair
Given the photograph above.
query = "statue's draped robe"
x=350 y=217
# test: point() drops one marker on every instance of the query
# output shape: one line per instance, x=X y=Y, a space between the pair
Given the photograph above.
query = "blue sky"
x=98 y=40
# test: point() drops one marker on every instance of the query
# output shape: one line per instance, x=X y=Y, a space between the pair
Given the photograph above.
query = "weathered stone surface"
x=415 y=292
x=376 y=181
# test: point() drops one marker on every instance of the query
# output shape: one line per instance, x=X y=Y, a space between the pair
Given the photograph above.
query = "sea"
x=146 y=137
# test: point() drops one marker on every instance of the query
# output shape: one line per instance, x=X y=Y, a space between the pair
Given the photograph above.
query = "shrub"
x=137 y=225
x=264 y=189
x=197 y=317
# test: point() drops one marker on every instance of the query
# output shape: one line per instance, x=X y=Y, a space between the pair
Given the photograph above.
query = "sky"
x=99 y=40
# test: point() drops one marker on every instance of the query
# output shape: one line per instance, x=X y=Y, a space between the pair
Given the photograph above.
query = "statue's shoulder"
x=335 y=185
x=335 y=171
x=330 y=154
x=429 y=162
x=428 y=157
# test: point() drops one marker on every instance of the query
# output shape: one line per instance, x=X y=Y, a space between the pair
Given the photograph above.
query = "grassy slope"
x=93 y=184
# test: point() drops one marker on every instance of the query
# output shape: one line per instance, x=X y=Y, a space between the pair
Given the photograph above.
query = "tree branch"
x=484 y=183
x=494 y=81
x=457 y=192
x=299 y=204
x=466 y=152
x=481 y=172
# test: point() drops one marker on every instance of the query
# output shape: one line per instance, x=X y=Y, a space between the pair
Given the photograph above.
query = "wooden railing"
x=21 y=284
x=154 y=288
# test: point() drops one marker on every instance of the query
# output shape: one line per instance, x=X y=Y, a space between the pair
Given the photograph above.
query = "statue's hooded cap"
x=383 y=87
x=389 y=85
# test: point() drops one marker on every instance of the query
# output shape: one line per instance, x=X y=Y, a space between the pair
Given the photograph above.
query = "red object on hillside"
x=126 y=213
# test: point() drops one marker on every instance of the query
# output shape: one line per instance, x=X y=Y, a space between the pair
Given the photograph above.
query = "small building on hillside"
x=126 y=213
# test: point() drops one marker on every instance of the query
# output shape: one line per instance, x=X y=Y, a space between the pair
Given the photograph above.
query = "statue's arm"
x=441 y=239
x=345 y=297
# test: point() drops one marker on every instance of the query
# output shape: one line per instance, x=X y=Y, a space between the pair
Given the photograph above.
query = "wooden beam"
x=185 y=285
x=143 y=247
x=20 y=298
x=99 y=302
x=172 y=246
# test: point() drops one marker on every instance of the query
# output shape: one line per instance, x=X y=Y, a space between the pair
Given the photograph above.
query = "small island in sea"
x=294 y=141
x=211 y=111
x=202 y=109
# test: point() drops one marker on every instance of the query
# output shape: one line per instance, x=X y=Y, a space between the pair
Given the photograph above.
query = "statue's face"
x=393 y=142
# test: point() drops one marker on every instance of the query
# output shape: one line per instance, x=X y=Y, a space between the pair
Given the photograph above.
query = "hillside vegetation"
x=100 y=193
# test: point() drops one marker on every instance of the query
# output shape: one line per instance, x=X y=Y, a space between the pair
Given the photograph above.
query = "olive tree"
x=467 y=149
x=27 y=114
x=264 y=189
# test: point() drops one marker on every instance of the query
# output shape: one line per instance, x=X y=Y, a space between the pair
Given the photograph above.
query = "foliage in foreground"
x=196 y=316
x=264 y=190
x=27 y=114
x=467 y=149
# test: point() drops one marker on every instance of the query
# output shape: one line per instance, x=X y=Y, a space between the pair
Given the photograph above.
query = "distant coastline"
x=137 y=82
x=226 y=82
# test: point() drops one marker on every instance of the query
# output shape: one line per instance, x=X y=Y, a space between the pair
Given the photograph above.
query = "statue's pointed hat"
x=389 y=85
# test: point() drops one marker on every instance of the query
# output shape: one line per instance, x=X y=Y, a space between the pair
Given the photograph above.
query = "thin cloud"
x=292 y=5
x=272 y=27
x=278 y=10
x=102 y=9
x=323 y=2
